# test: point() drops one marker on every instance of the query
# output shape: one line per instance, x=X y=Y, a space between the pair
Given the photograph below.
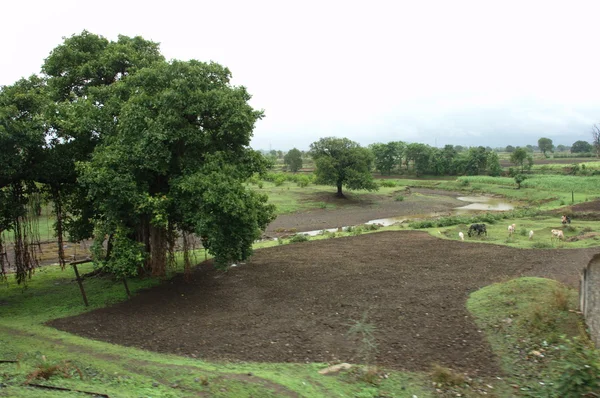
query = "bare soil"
x=296 y=303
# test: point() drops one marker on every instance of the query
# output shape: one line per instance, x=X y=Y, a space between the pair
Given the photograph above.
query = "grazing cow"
x=477 y=228
x=511 y=229
x=530 y=235
x=558 y=234
x=461 y=236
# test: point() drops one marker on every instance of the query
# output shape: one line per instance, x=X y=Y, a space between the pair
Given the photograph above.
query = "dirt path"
x=295 y=303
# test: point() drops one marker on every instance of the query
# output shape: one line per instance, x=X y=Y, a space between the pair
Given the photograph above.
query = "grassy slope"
x=524 y=320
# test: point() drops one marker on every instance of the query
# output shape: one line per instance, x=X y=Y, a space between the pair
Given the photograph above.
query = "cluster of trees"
x=424 y=159
x=132 y=150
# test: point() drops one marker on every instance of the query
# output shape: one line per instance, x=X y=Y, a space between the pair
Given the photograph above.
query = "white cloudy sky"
x=440 y=72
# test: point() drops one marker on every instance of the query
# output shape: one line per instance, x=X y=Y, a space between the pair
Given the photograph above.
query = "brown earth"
x=296 y=303
x=418 y=202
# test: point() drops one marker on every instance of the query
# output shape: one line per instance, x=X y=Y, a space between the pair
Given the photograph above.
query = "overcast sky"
x=442 y=72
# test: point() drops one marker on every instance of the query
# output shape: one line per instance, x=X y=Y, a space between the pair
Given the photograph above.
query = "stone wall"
x=589 y=297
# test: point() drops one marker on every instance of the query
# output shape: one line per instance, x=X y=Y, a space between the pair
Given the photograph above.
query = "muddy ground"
x=296 y=303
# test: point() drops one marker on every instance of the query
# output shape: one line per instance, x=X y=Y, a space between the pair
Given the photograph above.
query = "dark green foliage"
x=545 y=145
x=293 y=160
x=388 y=156
x=519 y=178
x=342 y=162
x=581 y=146
x=580 y=369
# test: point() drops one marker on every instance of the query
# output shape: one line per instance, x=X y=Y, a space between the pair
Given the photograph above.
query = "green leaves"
x=342 y=162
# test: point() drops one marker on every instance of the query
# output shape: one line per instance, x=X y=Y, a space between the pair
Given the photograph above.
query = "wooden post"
x=79 y=280
x=80 y=283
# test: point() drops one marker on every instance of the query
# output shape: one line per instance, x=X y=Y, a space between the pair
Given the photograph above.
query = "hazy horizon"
x=463 y=73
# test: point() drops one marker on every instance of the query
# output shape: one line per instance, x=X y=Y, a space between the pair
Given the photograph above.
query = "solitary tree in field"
x=545 y=145
x=510 y=149
x=581 y=146
x=341 y=162
x=518 y=157
x=293 y=160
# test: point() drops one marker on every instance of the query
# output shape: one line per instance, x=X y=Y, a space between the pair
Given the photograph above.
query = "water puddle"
x=483 y=203
x=476 y=203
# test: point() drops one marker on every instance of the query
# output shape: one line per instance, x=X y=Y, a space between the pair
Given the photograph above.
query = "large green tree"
x=293 y=160
x=545 y=145
x=581 y=146
x=176 y=166
x=341 y=162
x=133 y=148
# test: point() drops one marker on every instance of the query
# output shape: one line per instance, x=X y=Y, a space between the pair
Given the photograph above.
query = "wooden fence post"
x=79 y=280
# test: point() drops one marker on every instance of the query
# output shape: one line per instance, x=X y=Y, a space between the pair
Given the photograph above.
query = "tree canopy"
x=581 y=146
x=134 y=148
x=388 y=156
x=341 y=162
x=545 y=145
x=293 y=160
x=518 y=157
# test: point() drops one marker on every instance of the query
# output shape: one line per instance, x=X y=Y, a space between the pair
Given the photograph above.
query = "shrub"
x=446 y=377
x=541 y=245
x=279 y=179
x=298 y=238
x=387 y=183
x=399 y=198
x=302 y=181
x=580 y=367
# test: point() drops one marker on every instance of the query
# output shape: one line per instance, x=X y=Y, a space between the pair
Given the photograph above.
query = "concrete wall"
x=589 y=297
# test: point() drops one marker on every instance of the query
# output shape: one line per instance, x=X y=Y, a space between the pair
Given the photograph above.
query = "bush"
x=399 y=198
x=387 y=183
x=302 y=181
x=580 y=367
x=298 y=238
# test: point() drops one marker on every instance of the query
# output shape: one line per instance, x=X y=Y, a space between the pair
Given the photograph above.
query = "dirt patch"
x=592 y=206
x=351 y=211
x=295 y=303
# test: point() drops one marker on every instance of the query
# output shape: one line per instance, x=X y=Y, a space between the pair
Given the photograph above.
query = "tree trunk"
x=339 y=193
x=158 y=247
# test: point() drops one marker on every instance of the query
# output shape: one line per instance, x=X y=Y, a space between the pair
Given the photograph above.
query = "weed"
x=322 y=205
x=46 y=370
x=580 y=367
x=560 y=299
x=570 y=228
x=446 y=377
x=523 y=232
x=366 y=333
x=399 y=198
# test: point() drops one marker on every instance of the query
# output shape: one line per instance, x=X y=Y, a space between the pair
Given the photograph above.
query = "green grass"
x=540 y=225
x=524 y=319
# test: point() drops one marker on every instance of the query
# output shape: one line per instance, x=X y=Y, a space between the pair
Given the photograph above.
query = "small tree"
x=293 y=160
x=545 y=145
x=519 y=178
x=510 y=149
x=342 y=162
x=518 y=157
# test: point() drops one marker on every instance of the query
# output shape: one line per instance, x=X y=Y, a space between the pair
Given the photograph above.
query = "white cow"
x=511 y=229
x=461 y=236
x=530 y=235
x=558 y=234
